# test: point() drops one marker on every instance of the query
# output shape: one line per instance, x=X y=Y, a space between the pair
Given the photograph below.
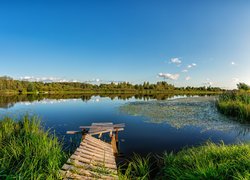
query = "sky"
x=191 y=42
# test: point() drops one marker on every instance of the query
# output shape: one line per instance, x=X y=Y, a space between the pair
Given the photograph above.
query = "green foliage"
x=27 y=151
x=31 y=87
x=210 y=161
x=138 y=168
x=236 y=104
x=243 y=86
x=7 y=84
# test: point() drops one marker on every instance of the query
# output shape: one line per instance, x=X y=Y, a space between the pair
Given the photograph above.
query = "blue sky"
x=131 y=40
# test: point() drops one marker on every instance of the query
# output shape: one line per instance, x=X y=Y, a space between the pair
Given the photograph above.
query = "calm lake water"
x=152 y=126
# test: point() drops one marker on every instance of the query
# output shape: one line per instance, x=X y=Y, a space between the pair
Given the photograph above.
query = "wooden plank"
x=73 y=132
x=88 y=140
x=89 y=161
x=102 y=124
x=114 y=146
x=98 y=141
x=93 y=145
x=98 y=152
x=122 y=125
x=90 y=167
x=88 y=173
x=96 y=159
x=96 y=155
x=110 y=154
x=98 y=148
x=94 y=129
x=110 y=158
x=105 y=131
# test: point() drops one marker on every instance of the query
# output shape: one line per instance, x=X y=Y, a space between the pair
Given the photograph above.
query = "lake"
x=153 y=124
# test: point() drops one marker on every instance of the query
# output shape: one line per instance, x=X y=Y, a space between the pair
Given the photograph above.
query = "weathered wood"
x=90 y=167
x=94 y=158
x=98 y=152
x=73 y=132
x=122 y=125
x=110 y=158
x=96 y=143
x=105 y=131
x=114 y=146
x=99 y=160
x=87 y=146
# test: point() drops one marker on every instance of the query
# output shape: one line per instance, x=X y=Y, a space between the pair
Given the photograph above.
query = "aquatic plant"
x=27 y=151
x=192 y=111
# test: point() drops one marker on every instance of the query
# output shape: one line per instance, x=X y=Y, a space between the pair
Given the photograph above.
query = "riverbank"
x=235 y=104
x=209 y=161
x=29 y=152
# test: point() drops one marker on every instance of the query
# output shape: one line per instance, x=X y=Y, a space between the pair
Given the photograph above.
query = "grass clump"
x=27 y=151
x=137 y=168
x=210 y=161
x=235 y=104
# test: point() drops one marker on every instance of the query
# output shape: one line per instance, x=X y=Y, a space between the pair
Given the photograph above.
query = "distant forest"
x=9 y=85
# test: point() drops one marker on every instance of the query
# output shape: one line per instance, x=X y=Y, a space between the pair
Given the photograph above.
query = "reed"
x=27 y=151
x=235 y=104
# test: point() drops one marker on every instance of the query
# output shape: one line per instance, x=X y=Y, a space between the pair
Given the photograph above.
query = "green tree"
x=243 y=86
x=31 y=87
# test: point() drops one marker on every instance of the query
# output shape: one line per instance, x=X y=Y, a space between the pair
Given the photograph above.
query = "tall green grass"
x=27 y=151
x=210 y=161
x=235 y=104
x=137 y=168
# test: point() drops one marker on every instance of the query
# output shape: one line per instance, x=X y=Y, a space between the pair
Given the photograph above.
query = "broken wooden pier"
x=94 y=158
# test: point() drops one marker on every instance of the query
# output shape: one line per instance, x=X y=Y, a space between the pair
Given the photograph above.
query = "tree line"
x=8 y=84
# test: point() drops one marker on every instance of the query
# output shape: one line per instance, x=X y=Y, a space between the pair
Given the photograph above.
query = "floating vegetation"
x=181 y=112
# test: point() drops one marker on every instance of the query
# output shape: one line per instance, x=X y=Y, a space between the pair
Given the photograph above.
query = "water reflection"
x=10 y=100
x=181 y=112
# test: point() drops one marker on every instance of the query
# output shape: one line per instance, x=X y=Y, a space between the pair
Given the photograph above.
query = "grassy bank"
x=235 y=104
x=27 y=151
x=209 y=161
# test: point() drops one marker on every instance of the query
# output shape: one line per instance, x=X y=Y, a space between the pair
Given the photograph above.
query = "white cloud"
x=188 y=78
x=184 y=70
x=175 y=61
x=191 y=65
x=233 y=63
x=169 y=76
x=97 y=80
x=43 y=79
x=208 y=82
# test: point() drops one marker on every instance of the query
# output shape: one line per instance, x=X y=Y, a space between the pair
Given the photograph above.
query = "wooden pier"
x=94 y=158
